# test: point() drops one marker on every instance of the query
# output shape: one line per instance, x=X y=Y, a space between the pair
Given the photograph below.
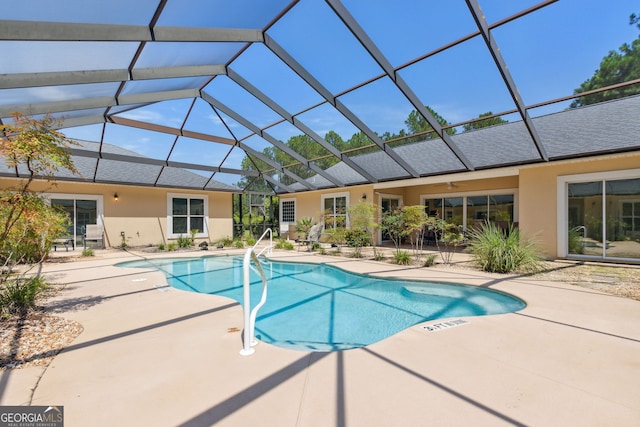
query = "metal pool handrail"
x=250 y=315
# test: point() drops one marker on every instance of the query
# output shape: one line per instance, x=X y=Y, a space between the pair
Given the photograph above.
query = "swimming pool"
x=318 y=307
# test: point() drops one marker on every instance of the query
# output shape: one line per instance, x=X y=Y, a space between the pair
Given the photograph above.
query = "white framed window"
x=288 y=211
x=334 y=208
x=288 y=215
x=185 y=213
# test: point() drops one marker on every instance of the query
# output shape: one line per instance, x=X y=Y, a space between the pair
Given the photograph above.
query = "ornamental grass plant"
x=19 y=295
x=503 y=251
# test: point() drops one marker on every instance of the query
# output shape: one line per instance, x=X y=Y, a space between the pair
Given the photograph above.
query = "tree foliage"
x=358 y=144
x=362 y=219
x=392 y=223
x=617 y=67
x=634 y=20
x=484 y=123
x=28 y=225
x=36 y=145
x=415 y=220
x=418 y=124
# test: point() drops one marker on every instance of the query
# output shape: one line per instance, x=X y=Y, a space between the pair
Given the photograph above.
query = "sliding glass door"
x=472 y=211
x=603 y=218
x=82 y=211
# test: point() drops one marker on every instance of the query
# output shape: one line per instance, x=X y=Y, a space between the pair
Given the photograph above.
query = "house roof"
x=595 y=129
x=200 y=94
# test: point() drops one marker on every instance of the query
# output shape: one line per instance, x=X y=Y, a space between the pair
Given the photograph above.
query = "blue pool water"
x=323 y=308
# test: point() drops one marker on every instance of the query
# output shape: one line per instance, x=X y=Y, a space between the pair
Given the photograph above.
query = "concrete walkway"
x=156 y=356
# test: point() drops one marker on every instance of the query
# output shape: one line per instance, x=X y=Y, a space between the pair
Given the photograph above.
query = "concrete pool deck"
x=157 y=356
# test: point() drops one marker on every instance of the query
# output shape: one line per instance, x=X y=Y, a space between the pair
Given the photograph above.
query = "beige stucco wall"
x=141 y=212
x=309 y=203
x=539 y=194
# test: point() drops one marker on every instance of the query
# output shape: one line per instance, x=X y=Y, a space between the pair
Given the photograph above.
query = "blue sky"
x=549 y=53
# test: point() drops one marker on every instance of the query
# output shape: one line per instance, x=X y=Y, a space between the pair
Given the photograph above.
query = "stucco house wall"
x=140 y=212
x=539 y=195
x=535 y=188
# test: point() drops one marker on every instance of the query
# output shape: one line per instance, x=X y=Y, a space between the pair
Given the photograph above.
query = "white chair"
x=313 y=237
x=94 y=233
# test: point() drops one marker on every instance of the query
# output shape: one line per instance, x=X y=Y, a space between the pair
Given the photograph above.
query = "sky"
x=549 y=53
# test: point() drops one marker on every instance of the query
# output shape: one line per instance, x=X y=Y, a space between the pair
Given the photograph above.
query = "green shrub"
x=238 y=244
x=303 y=226
x=402 y=258
x=184 y=242
x=18 y=295
x=335 y=236
x=250 y=240
x=161 y=246
x=283 y=244
x=193 y=233
x=499 y=251
x=227 y=241
x=378 y=256
x=87 y=252
x=27 y=237
x=172 y=246
x=356 y=238
x=429 y=260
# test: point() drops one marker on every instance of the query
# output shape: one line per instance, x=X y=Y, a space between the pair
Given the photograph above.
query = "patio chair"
x=94 y=233
x=313 y=236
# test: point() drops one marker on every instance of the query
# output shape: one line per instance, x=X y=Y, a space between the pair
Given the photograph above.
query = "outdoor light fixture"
x=115 y=197
x=364 y=196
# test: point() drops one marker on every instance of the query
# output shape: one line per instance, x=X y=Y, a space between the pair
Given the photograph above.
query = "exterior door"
x=81 y=213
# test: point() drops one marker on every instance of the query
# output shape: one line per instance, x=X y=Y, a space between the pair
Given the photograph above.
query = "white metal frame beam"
x=74 y=32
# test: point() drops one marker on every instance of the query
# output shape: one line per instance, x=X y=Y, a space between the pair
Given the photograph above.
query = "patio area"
x=154 y=355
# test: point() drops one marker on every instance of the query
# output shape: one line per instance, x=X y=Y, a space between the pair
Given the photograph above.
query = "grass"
x=87 y=252
x=402 y=258
x=429 y=260
x=283 y=244
x=498 y=251
x=19 y=295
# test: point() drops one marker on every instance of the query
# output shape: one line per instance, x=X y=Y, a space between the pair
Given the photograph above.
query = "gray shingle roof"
x=121 y=172
x=599 y=128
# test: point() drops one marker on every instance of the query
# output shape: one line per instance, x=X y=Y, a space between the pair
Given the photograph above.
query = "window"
x=186 y=214
x=335 y=210
x=471 y=211
x=287 y=211
x=630 y=220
